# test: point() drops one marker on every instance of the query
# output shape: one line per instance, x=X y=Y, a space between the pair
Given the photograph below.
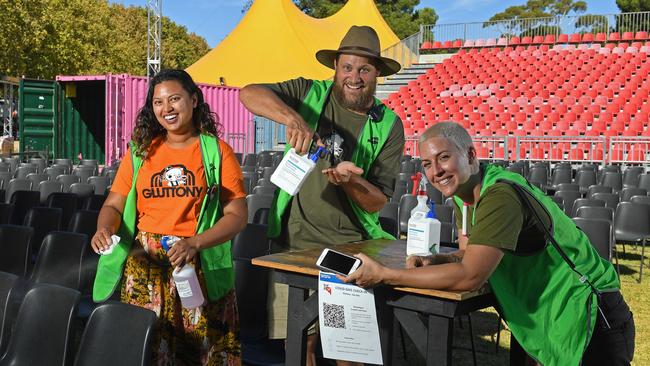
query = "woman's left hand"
x=369 y=274
x=182 y=252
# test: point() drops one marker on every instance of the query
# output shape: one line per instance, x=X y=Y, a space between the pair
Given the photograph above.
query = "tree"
x=543 y=17
x=400 y=15
x=630 y=6
x=45 y=38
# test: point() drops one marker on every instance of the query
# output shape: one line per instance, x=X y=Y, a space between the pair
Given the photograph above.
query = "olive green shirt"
x=502 y=221
x=320 y=214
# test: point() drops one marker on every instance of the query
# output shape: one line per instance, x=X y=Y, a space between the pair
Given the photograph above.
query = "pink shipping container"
x=124 y=95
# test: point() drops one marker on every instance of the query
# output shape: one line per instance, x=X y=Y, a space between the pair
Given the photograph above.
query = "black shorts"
x=614 y=344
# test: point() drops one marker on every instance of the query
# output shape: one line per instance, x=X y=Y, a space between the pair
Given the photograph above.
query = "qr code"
x=334 y=316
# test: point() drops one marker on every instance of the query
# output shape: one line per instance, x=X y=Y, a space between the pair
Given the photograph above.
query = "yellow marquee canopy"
x=275 y=41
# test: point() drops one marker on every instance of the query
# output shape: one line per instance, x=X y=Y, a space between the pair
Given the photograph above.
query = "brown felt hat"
x=360 y=41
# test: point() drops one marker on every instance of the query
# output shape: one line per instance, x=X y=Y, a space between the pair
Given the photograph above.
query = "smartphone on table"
x=333 y=261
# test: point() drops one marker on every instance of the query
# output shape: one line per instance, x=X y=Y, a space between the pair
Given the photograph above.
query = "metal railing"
x=615 y=150
x=8 y=104
x=531 y=27
x=406 y=52
x=629 y=150
x=238 y=142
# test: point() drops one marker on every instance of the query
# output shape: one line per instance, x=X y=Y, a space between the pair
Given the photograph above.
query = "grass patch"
x=484 y=323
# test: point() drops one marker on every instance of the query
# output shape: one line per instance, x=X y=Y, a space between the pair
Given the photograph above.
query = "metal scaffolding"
x=8 y=104
x=154 y=32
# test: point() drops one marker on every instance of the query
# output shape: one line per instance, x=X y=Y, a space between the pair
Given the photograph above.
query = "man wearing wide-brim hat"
x=340 y=200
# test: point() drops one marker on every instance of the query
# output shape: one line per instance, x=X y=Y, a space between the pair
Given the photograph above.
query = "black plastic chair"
x=561 y=175
x=117 y=334
x=67 y=202
x=255 y=202
x=445 y=213
x=585 y=179
x=399 y=191
x=641 y=199
x=23 y=201
x=15 y=246
x=598 y=189
x=538 y=175
x=93 y=202
x=85 y=222
x=59 y=260
x=599 y=233
x=568 y=198
x=46 y=188
x=44 y=220
x=644 y=181
x=580 y=202
x=6 y=212
x=388 y=218
x=44 y=327
x=629 y=192
x=68 y=180
x=614 y=180
x=8 y=310
x=100 y=184
x=17 y=185
x=251 y=288
x=568 y=187
x=406 y=204
x=591 y=212
x=611 y=199
x=265 y=190
x=631 y=176
x=632 y=225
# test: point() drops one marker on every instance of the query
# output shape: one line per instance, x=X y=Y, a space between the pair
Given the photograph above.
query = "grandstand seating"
x=559 y=92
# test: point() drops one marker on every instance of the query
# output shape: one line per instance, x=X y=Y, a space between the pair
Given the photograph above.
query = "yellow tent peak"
x=276 y=41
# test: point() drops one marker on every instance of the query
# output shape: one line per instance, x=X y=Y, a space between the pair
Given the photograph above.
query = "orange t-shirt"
x=171 y=186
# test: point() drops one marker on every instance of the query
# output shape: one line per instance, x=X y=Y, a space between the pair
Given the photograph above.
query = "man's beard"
x=360 y=103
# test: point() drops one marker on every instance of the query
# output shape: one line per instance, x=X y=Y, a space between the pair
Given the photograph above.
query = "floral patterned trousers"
x=207 y=335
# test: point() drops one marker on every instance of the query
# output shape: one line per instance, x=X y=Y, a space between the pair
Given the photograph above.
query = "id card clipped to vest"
x=293 y=170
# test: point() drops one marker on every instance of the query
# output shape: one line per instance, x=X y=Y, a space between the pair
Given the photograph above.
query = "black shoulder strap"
x=523 y=196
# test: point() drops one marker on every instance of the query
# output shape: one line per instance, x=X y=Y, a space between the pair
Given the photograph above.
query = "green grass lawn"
x=484 y=323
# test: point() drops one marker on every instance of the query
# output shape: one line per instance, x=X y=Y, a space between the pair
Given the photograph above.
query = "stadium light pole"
x=154 y=32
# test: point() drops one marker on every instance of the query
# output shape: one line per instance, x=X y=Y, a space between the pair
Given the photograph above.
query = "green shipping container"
x=65 y=119
x=39 y=115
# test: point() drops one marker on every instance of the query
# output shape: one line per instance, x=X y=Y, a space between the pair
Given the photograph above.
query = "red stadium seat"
x=574 y=38
x=587 y=37
x=627 y=36
x=614 y=36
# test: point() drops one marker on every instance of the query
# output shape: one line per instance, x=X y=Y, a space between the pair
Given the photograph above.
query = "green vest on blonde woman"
x=363 y=156
x=216 y=261
x=549 y=308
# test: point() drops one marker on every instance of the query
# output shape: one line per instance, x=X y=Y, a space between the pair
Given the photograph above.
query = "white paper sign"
x=348 y=321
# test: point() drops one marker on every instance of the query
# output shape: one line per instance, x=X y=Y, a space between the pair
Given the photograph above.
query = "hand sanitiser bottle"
x=423 y=235
x=187 y=283
x=293 y=170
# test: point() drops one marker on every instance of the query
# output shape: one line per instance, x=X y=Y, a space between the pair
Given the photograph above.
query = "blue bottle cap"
x=432 y=210
x=314 y=157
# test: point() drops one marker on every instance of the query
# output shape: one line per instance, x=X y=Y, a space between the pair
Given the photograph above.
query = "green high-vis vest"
x=216 y=261
x=549 y=309
x=363 y=156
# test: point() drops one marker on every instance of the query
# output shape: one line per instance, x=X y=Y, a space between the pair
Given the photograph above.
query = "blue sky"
x=214 y=19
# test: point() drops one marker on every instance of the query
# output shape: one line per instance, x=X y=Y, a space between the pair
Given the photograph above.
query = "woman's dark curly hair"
x=147 y=128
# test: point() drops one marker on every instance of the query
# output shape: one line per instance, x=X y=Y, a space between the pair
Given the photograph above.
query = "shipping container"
x=269 y=135
x=93 y=116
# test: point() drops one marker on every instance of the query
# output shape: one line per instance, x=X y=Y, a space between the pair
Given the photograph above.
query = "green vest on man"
x=363 y=156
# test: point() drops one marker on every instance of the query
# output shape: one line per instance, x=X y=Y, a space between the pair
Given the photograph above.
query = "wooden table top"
x=390 y=253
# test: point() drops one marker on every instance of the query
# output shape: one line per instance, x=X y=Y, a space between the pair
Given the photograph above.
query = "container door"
x=82 y=120
x=39 y=116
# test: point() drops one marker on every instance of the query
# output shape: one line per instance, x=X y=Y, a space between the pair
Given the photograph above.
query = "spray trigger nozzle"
x=314 y=157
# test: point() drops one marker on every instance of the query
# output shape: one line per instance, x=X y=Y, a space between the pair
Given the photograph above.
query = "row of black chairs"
x=39 y=328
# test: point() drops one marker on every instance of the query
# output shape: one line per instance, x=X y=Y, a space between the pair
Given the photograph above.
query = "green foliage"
x=400 y=15
x=592 y=24
x=540 y=16
x=541 y=9
x=629 y=6
x=45 y=38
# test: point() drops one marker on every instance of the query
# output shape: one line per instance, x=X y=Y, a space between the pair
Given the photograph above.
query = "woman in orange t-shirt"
x=171 y=186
